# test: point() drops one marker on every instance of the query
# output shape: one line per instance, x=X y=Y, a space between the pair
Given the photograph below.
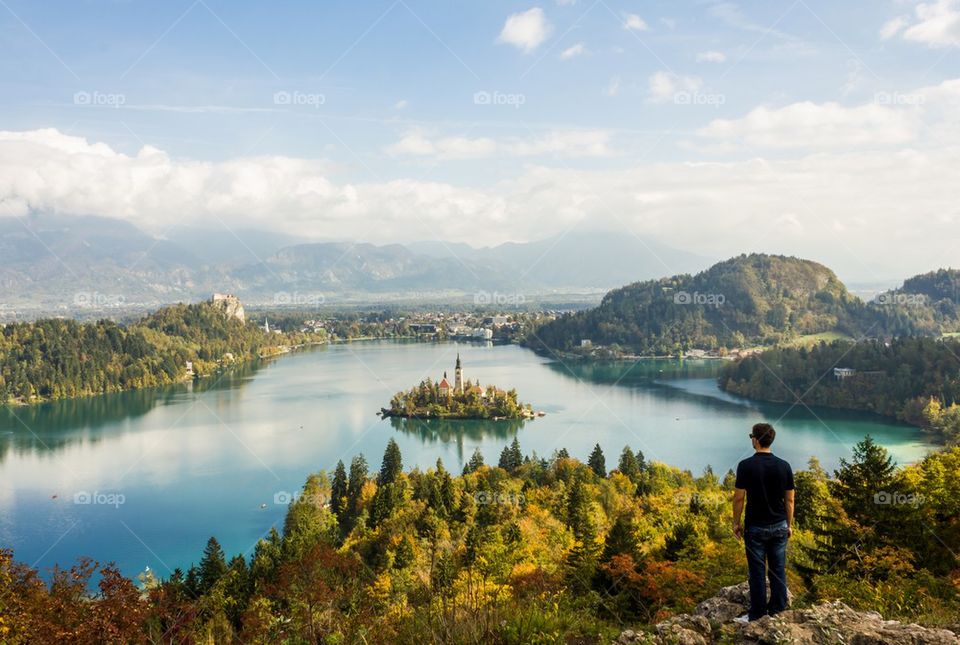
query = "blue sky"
x=822 y=129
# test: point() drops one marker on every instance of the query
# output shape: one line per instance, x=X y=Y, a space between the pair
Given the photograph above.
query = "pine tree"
x=512 y=457
x=582 y=560
x=476 y=461
x=338 y=489
x=860 y=484
x=579 y=517
x=854 y=513
x=212 y=566
x=641 y=461
x=505 y=459
x=597 y=462
x=392 y=464
x=622 y=538
x=355 y=483
x=628 y=464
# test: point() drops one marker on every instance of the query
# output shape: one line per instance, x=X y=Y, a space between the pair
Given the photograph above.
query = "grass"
x=812 y=339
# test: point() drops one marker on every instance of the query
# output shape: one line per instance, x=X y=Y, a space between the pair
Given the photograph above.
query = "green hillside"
x=55 y=359
x=749 y=300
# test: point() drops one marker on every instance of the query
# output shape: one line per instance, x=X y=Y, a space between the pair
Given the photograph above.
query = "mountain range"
x=96 y=262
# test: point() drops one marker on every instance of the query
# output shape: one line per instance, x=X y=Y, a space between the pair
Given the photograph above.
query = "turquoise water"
x=166 y=468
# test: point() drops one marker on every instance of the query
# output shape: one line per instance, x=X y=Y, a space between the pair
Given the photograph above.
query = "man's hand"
x=739 y=497
x=789 y=531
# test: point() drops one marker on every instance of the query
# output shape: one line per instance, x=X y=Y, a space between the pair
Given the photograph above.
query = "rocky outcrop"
x=229 y=304
x=824 y=624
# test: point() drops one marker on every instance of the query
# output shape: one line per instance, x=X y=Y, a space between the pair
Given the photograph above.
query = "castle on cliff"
x=230 y=304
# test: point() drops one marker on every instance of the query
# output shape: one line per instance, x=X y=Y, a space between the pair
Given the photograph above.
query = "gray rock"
x=729 y=603
x=824 y=624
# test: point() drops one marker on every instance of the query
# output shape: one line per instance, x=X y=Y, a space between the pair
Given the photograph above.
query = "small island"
x=462 y=400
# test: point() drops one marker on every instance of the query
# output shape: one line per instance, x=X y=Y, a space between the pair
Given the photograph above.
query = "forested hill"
x=747 y=300
x=54 y=358
x=916 y=380
x=926 y=304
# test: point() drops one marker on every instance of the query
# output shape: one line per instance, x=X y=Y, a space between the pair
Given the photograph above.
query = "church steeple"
x=458 y=377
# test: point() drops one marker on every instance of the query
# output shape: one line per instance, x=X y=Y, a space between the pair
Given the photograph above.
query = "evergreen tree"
x=628 y=464
x=476 y=461
x=641 y=461
x=622 y=538
x=446 y=491
x=861 y=483
x=683 y=540
x=355 y=483
x=237 y=590
x=512 y=457
x=392 y=464
x=338 y=490
x=597 y=462
x=212 y=566
x=579 y=516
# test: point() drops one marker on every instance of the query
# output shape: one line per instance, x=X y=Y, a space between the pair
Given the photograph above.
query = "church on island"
x=459 y=400
x=458 y=385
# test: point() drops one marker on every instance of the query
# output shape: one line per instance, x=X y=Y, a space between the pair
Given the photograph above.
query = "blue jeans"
x=767 y=557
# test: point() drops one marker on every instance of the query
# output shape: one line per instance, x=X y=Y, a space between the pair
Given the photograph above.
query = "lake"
x=144 y=478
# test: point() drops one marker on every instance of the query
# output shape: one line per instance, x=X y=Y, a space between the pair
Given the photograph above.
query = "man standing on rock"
x=766 y=482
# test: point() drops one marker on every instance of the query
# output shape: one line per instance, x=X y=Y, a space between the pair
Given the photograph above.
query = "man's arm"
x=788 y=497
x=740 y=494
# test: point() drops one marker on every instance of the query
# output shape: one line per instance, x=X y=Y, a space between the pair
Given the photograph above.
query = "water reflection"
x=457 y=431
x=642 y=371
x=56 y=425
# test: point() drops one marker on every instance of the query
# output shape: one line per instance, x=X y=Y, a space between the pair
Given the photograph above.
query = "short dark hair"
x=764 y=434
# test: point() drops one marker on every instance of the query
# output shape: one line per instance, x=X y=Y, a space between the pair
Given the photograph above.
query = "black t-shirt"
x=766 y=478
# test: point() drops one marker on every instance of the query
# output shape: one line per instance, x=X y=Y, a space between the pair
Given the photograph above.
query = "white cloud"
x=876 y=199
x=401 y=104
x=635 y=23
x=570 y=143
x=526 y=30
x=664 y=86
x=935 y=24
x=817 y=125
x=711 y=57
x=48 y=171
x=572 y=52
